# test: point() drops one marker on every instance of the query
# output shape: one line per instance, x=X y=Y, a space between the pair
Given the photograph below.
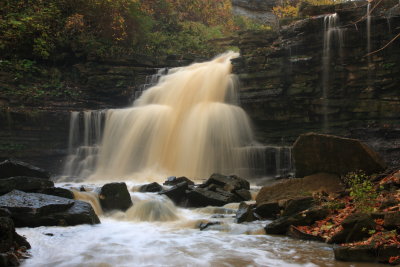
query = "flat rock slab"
x=18 y=201
x=12 y=168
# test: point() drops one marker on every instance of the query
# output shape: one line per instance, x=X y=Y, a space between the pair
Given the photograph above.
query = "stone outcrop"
x=314 y=153
x=281 y=75
x=218 y=190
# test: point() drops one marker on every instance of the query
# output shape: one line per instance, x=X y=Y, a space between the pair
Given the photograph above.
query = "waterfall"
x=150 y=81
x=187 y=124
x=332 y=35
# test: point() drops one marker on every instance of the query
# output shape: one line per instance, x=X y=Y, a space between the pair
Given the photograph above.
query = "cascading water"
x=185 y=125
x=85 y=133
x=332 y=35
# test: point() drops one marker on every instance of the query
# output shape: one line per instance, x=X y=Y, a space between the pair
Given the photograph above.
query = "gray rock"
x=152 y=188
x=201 y=197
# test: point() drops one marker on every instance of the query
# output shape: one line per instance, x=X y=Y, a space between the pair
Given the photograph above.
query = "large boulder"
x=115 y=196
x=314 y=153
x=24 y=183
x=12 y=168
x=293 y=206
x=33 y=210
x=267 y=210
x=56 y=191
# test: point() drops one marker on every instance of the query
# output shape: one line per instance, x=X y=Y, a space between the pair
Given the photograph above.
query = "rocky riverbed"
x=324 y=206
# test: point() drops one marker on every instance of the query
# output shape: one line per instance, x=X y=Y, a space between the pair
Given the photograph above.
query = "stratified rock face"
x=315 y=153
x=33 y=210
x=259 y=10
x=115 y=196
x=12 y=168
x=281 y=76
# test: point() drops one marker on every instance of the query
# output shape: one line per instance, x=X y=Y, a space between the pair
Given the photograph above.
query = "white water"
x=122 y=239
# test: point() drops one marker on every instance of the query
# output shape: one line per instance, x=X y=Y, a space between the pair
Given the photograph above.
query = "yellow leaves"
x=287 y=11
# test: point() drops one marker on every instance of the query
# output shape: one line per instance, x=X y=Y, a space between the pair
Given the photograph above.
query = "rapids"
x=125 y=240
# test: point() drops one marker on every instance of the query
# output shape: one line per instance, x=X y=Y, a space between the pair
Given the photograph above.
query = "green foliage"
x=245 y=23
x=362 y=191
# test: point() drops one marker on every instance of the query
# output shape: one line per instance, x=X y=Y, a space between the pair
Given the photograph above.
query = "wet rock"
x=151 y=188
x=294 y=232
x=355 y=228
x=12 y=168
x=5 y=213
x=24 y=183
x=228 y=183
x=366 y=253
x=315 y=153
x=56 y=191
x=201 y=197
x=33 y=210
x=296 y=205
x=307 y=217
x=207 y=225
x=392 y=220
x=245 y=213
x=176 y=193
x=174 y=181
x=115 y=196
x=267 y=210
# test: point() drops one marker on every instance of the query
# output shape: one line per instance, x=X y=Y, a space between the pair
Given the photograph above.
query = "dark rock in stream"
x=228 y=183
x=201 y=197
x=12 y=168
x=151 y=188
x=177 y=193
x=245 y=213
x=33 y=210
x=24 y=183
x=172 y=180
x=115 y=196
x=314 y=153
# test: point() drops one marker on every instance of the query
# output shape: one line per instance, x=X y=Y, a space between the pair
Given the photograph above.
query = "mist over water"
x=188 y=124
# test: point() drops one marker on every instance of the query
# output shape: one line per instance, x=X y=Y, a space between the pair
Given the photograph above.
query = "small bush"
x=362 y=190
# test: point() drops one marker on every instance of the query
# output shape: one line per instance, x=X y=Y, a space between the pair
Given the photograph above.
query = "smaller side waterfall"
x=333 y=36
x=85 y=133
